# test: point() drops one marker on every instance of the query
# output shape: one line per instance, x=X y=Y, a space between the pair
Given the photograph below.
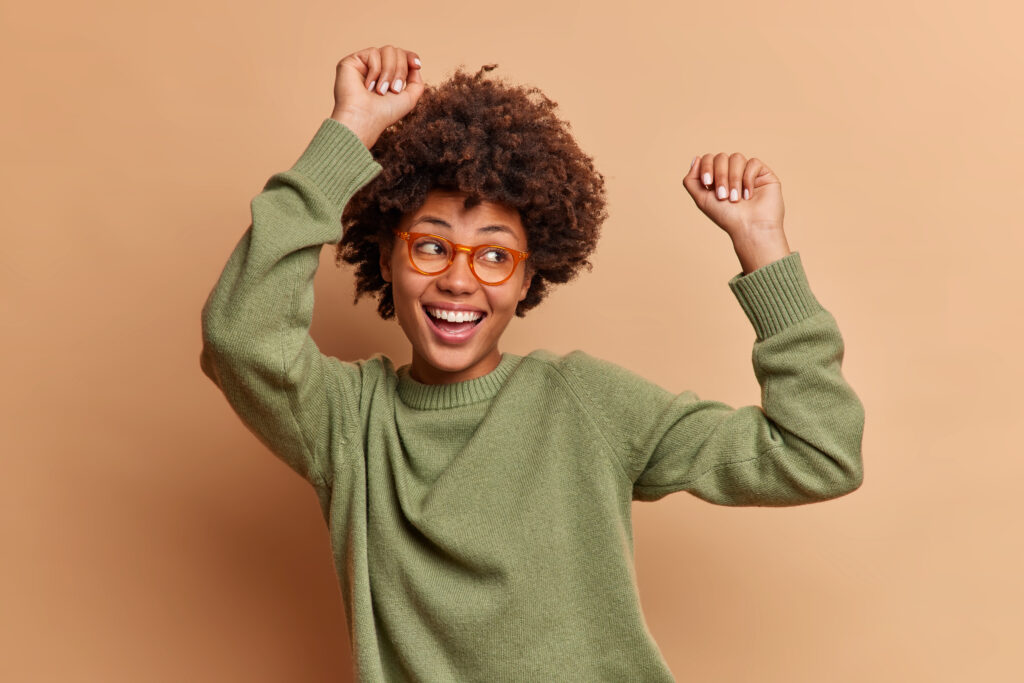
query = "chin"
x=434 y=361
x=453 y=360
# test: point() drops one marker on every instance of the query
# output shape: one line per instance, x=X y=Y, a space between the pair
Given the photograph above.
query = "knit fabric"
x=481 y=531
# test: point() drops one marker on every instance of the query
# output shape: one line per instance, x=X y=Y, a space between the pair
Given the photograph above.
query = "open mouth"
x=451 y=325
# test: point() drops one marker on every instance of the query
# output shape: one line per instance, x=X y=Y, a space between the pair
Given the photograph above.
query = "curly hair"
x=492 y=141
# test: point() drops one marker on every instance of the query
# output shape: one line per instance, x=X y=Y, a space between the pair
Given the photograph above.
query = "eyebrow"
x=497 y=227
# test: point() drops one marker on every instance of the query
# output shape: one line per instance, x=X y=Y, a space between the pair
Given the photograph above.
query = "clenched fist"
x=375 y=87
x=744 y=198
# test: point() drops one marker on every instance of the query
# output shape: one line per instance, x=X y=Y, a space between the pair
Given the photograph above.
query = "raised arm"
x=256 y=343
x=255 y=322
x=803 y=443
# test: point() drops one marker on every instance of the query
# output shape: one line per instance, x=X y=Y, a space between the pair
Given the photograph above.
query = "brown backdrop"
x=148 y=536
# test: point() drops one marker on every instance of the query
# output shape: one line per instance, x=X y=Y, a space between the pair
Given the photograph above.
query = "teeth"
x=453 y=316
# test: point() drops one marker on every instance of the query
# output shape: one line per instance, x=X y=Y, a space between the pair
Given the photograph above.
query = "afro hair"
x=492 y=141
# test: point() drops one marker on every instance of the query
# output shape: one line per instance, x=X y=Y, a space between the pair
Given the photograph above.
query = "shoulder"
x=544 y=360
x=566 y=360
x=378 y=363
x=588 y=374
x=371 y=373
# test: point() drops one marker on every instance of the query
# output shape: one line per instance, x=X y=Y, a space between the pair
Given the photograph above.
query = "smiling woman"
x=478 y=502
x=477 y=161
x=479 y=139
x=432 y=307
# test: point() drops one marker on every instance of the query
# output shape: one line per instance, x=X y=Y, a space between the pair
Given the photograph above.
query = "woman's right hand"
x=375 y=87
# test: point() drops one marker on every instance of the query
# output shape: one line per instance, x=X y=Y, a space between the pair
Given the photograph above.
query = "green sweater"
x=481 y=531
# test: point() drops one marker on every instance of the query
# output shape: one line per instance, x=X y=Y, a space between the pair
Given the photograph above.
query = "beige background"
x=147 y=536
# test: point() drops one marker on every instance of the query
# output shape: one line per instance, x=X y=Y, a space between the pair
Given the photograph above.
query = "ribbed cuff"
x=338 y=162
x=440 y=396
x=775 y=295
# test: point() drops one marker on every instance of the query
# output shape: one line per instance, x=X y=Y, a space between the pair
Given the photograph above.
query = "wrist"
x=358 y=126
x=757 y=247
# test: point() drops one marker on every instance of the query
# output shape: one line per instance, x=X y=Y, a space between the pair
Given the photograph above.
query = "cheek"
x=406 y=289
x=506 y=300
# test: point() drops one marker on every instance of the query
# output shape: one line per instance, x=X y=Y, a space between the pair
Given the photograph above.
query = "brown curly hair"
x=494 y=142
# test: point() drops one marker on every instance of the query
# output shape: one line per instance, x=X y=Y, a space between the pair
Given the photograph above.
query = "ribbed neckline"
x=440 y=396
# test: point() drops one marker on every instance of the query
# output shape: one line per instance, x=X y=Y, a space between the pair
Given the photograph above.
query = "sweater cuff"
x=338 y=162
x=775 y=295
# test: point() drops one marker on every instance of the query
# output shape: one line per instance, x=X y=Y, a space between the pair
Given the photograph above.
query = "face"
x=441 y=353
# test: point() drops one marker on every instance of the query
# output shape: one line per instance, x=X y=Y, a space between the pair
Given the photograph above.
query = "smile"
x=453 y=327
x=453 y=316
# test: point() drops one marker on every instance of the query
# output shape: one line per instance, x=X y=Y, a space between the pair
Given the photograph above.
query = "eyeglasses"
x=432 y=255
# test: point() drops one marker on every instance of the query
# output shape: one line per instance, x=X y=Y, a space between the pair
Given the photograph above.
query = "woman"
x=479 y=502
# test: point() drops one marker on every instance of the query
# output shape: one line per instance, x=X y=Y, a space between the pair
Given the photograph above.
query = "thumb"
x=406 y=100
x=414 y=89
x=692 y=181
x=414 y=85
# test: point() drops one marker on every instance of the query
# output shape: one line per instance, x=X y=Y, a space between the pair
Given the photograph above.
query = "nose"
x=458 y=279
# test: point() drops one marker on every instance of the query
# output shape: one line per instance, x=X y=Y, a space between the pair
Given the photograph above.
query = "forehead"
x=447 y=206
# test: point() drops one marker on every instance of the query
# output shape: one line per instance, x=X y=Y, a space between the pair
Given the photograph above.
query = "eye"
x=429 y=246
x=494 y=255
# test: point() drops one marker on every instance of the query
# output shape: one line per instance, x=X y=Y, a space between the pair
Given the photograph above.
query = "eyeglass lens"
x=492 y=264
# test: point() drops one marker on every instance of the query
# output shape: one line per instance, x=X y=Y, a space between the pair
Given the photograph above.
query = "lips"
x=453 y=332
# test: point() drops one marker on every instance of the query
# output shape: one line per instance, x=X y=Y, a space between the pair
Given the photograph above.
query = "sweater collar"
x=440 y=396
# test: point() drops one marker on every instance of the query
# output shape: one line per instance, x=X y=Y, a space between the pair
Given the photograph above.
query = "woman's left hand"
x=740 y=195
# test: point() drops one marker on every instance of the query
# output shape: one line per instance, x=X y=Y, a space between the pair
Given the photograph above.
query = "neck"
x=424 y=373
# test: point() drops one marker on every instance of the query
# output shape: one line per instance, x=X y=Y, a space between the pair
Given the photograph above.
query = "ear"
x=385 y=263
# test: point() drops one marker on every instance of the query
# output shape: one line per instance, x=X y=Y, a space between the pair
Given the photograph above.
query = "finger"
x=414 y=75
x=736 y=163
x=357 y=60
x=401 y=70
x=414 y=67
x=765 y=176
x=691 y=181
x=372 y=67
x=721 y=175
x=387 y=69
x=694 y=172
x=749 y=174
x=707 y=171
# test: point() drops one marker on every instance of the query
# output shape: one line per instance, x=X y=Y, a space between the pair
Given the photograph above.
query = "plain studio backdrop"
x=148 y=536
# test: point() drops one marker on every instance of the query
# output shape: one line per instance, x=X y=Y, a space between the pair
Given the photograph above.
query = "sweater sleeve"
x=803 y=444
x=255 y=322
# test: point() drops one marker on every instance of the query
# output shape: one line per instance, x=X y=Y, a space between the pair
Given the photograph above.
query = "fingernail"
x=746 y=193
x=721 y=192
x=693 y=162
x=416 y=61
x=383 y=87
x=707 y=178
x=372 y=83
x=397 y=85
x=734 y=195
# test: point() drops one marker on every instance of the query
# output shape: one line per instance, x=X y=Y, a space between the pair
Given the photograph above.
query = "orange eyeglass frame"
x=409 y=237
